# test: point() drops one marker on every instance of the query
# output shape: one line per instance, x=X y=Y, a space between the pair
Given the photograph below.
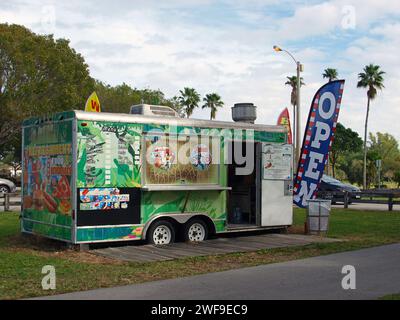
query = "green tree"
x=330 y=74
x=213 y=102
x=372 y=79
x=150 y=96
x=10 y=153
x=386 y=148
x=121 y=97
x=117 y=99
x=346 y=141
x=38 y=75
x=189 y=98
x=175 y=104
x=397 y=178
x=352 y=165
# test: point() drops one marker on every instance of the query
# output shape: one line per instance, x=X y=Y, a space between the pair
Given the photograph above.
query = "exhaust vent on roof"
x=244 y=112
x=152 y=110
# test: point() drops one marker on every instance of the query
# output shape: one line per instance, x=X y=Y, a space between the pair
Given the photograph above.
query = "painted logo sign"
x=93 y=103
x=284 y=120
x=317 y=142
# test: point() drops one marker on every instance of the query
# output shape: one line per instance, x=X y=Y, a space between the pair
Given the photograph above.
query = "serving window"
x=182 y=160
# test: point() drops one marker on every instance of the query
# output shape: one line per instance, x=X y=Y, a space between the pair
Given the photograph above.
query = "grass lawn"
x=22 y=257
x=391 y=297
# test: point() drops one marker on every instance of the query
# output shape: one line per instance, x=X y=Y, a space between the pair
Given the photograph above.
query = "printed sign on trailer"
x=284 y=120
x=317 y=142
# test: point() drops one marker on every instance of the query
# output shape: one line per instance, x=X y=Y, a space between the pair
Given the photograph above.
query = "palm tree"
x=190 y=99
x=292 y=82
x=331 y=74
x=371 y=78
x=212 y=101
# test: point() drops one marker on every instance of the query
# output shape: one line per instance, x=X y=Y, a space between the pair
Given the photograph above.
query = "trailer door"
x=276 y=185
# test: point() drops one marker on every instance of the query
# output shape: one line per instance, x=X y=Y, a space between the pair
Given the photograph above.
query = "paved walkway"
x=147 y=253
x=377 y=274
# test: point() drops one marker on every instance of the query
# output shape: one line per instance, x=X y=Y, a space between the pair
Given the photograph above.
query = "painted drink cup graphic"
x=200 y=157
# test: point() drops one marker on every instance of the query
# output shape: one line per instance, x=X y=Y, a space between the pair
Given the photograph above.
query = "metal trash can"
x=318 y=212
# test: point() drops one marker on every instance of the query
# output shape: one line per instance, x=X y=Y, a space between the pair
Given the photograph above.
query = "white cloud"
x=166 y=45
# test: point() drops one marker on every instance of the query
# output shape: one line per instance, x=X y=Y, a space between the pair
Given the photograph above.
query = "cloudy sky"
x=226 y=47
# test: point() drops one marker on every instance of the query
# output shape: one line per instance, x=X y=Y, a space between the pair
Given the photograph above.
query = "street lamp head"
x=277 y=49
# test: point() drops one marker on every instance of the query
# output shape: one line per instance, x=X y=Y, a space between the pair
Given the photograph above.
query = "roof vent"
x=244 y=112
x=152 y=110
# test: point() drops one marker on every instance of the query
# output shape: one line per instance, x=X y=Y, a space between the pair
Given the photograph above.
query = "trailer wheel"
x=161 y=232
x=195 y=230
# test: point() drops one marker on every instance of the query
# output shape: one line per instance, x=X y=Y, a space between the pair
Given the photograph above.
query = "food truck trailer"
x=149 y=175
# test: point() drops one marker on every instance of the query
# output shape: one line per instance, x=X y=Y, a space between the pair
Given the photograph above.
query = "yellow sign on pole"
x=93 y=103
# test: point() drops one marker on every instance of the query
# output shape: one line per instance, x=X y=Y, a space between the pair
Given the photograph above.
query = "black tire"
x=4 y=189
x=195 y=230
x=160 y=229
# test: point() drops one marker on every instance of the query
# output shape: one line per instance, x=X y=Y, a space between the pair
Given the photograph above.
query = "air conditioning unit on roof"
x=153 y=110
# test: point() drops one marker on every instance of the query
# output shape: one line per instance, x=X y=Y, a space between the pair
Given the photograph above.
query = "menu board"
x=108 y=155
x=277 y=161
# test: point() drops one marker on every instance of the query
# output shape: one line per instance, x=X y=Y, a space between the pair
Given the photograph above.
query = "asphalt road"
x=377 y=274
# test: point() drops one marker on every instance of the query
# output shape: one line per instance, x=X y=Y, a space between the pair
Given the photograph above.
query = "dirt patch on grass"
x=24 y=241
x=44 y=247
x=296 y=230
x=87 y=257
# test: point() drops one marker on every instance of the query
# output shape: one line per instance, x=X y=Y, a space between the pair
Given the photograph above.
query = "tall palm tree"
x=212 y=101
x=292 y=82
x=189 y=98
x=372 y=79
x=330 y=74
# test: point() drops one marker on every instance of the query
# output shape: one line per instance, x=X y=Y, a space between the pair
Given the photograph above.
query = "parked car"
x=333 y=189
x=7 y=186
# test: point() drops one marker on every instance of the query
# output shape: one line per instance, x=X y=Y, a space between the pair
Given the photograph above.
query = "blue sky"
x=226 y=47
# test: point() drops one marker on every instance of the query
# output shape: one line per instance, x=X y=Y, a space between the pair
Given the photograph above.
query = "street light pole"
x=299 y=68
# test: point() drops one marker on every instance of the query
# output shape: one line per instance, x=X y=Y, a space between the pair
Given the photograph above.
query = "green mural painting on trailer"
x=107 y=233
x=110 y=155
x=46 y=178
x=212 y=203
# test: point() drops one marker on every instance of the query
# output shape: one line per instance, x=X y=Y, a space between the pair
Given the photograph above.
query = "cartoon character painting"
x=162 y=157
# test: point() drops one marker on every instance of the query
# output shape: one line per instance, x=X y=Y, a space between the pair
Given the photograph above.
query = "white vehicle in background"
x=7 y=186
